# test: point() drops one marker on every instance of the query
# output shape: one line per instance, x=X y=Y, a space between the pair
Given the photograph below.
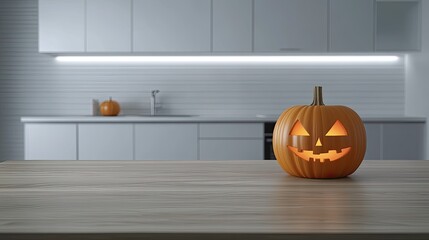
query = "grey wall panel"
x=35 y=84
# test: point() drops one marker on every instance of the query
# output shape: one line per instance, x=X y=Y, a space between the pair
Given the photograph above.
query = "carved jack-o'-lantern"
x=319 y=141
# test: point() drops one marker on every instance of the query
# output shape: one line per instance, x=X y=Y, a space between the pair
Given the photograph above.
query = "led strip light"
x=229 y=59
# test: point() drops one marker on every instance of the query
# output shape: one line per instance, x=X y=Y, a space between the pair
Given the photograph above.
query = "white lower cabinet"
x=50 y=141
x=373 y=141
x=231 y=149
x=111 y=141
x=395 y=141
x=231 y=141
x=166 y=141
x=403 y=141
x=193 y=141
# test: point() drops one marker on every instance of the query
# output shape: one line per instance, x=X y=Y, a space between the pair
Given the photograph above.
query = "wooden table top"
x=209 y=200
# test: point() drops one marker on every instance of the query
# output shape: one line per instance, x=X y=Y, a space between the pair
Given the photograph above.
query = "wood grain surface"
x=210 y=200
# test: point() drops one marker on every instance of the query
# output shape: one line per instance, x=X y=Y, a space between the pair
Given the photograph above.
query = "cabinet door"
x=108 y=25
x=172 y=26
x=232 y=25
x=231 y=149
x=398 y=25
x=373 y=141
x=351 y=25
x=50 y=141
x=61 y=26
x=112 y=141
x=403 y=141
x=291 y=25
x=166 y=141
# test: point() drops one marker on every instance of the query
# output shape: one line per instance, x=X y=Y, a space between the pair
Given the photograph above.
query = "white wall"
x=417 y=76
x=35 y=84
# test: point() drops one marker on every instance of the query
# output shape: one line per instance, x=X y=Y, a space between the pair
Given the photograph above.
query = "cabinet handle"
x=290 y=49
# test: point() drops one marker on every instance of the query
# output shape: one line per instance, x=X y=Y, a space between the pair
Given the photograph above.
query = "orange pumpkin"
x=319 y=141
x=110 y=108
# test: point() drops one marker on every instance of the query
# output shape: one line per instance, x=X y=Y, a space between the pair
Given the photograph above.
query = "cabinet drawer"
x=231 y=130
x=231 y=149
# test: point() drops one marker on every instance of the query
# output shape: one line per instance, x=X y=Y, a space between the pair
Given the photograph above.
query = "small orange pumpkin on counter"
x=319 y=141
x=110 y=108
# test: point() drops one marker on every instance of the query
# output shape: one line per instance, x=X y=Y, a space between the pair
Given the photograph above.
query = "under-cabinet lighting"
x=230 y=59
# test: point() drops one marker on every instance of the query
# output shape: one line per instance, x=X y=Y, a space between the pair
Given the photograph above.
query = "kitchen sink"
x=267 y=116
x=161 y=115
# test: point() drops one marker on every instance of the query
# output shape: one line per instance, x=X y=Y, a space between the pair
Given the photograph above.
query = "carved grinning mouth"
x=309 y=155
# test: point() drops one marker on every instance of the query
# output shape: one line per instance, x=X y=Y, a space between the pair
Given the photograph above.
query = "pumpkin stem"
x=318 y=99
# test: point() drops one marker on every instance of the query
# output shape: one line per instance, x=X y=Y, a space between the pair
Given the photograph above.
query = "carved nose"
x=318 y=143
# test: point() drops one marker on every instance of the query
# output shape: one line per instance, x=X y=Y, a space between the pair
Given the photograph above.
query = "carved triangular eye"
x=298 y=130
x=337 y=130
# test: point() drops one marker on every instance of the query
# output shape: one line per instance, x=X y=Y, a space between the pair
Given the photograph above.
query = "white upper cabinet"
x=108 y=25
x=232 y=25
x=172 y=26
x=398 y=25
x=291 y=26
x=228 y=26
x=351 y=25
x=62 y=26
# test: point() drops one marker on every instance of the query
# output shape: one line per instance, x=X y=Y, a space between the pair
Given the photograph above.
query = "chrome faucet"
x=153 y=102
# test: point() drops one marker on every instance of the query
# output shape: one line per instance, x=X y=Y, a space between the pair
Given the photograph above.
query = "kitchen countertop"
x=135 y=118
x=210 y=200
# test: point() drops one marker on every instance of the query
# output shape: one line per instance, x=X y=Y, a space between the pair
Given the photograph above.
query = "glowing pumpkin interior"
x=337 y=130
